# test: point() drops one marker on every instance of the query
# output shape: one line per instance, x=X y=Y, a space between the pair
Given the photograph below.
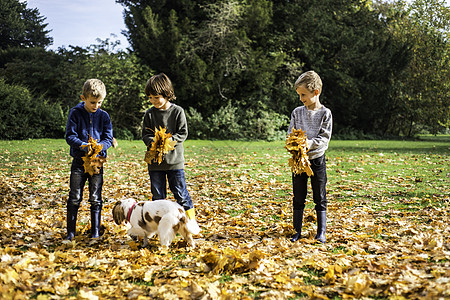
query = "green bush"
x=348 y=133
x=234 y=123
x=224 y=124
x=196 y=124
x=122 y=133
x=264 y=125
x=24 y=117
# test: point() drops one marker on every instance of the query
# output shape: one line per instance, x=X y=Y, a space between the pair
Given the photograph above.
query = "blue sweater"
x=81 y=124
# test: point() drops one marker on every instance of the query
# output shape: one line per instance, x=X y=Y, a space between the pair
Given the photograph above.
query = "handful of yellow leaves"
x=92 y=162
x=296 y=145
x=161 y=145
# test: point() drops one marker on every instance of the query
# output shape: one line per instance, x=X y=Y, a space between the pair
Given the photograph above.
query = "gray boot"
x=298 y=222
x=321 y=225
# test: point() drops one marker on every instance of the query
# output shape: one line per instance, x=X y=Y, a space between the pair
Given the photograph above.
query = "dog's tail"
x=192 y=226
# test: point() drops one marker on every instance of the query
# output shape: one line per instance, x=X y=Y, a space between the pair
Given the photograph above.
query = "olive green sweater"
x=174 y=120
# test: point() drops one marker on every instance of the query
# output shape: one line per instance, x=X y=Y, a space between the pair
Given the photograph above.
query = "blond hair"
x=311 y=80
x=94 y=88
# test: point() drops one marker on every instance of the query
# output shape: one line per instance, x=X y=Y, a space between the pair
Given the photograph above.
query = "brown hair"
x=160 y=85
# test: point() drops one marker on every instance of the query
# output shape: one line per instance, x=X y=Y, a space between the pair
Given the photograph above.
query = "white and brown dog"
x=147 y=218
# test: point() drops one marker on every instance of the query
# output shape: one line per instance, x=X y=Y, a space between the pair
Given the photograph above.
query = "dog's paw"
x=193 y=227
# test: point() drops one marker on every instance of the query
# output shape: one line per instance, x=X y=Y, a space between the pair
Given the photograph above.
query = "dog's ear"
x=118 y=213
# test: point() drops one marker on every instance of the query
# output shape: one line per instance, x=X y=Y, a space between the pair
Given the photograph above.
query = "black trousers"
x=78 y=179
x=318 y=184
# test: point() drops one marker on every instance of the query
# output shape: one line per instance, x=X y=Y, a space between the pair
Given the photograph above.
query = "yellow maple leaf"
x=161 y=145
x=231 y=261
x=330 y=275
x=296 y=145
x=358 y=284
x=92 y=162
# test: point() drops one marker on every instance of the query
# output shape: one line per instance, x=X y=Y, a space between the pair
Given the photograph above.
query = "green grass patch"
x=314 y=276
x=180 y=256
x=404 y=175
x=140 y=282
x=234 y=213
x=225 y=278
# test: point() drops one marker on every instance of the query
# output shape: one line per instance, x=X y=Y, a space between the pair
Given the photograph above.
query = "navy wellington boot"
x=321 y=226
x=72 y=212
x=298 y=222
x=96 y=216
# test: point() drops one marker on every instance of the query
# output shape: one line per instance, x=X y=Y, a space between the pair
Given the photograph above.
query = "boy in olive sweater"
x=167 y=115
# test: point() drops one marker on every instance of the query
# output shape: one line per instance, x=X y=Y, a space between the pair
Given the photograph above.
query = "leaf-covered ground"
x=387 y=236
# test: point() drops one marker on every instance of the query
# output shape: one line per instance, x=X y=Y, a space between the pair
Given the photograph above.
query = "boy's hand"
x=85 y=147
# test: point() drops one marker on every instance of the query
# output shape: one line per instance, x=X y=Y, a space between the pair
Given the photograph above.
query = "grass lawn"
x=393 y=169
x=387 y=224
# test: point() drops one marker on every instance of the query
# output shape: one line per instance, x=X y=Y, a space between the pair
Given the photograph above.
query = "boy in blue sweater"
x=87 y=119
x=317 y=122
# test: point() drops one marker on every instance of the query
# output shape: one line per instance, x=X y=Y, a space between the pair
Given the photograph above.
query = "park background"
x=233 y=63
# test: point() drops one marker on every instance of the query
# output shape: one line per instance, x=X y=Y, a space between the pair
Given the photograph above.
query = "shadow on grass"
x=395 y=147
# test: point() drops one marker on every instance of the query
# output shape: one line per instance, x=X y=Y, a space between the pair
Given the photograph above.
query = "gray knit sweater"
x=174 y=119
x=318 y=125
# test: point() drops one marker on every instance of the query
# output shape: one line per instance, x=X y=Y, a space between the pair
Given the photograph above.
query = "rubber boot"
x=96 y=216
x=321 y=226
x=190 y=213
x=298 y=222
x=191 y=224
x=72 y=212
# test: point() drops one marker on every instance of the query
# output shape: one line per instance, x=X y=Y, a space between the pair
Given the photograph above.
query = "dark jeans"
x=318 y=184
x=177 y=184
x=77 y=180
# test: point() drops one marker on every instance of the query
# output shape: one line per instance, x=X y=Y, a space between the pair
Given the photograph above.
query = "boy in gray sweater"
x=167 y=115
x=317 y=122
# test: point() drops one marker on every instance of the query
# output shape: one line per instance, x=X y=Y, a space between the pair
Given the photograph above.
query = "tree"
x=21 y=26
x=58 y=77
x=352 y=50
x=249 y=53
x=421 y=93
x=159 y=33
x=215 y=52
x=125 y=80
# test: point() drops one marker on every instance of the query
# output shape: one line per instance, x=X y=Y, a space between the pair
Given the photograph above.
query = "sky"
x=81 y=22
